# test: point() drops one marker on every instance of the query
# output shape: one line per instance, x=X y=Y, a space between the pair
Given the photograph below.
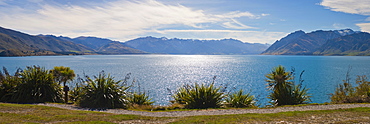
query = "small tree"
x=284 y=90
x=63 y=75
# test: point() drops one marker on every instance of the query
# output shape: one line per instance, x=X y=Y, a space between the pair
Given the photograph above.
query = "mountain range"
x=337 y=42
x=15 y=43
x=191 y=46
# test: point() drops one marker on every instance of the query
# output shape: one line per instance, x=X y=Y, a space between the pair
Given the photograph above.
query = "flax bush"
x=102 y=92
x=36 y=84
x=199 y=96
x=8 y=84
x=240 y=100
x=283 y=87
x=139 y=98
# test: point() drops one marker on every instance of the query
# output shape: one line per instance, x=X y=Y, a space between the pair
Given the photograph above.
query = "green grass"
x=355 y=115
x=25 y=113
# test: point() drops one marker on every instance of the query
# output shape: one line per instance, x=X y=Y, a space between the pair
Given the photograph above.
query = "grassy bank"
x=24 y=113
x=355 y=115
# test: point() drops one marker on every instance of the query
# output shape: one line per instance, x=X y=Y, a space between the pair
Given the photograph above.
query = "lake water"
x=157 y=73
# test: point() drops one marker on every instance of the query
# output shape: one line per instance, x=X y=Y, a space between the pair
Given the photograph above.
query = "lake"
x=157 y=73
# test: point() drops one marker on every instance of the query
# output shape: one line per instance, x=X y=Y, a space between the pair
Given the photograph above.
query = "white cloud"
x=119 y=20
x=245 y=36
x=339 y=26
x=233 y=24
x=361 y=7
x=364 y=27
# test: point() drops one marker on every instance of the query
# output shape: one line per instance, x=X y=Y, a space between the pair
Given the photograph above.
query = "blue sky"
x=254 y=21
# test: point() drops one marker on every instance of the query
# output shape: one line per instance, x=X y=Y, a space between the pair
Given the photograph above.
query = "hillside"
x=190 y=46
x=354 y=44
x=319 y=43
x=15 y=43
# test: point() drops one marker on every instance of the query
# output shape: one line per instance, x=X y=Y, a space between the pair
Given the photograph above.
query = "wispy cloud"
x=348 y=6
x=233 y=24
x=120 y=20
x=339 y=26
x=364 y=26
x=361 y=7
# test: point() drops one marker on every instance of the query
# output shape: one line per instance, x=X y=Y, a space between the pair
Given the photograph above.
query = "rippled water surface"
x=157 y=73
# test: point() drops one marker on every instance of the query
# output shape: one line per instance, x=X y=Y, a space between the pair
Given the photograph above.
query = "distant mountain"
x=345 y=32
x=15 y=43
x=314 y=43
x=105 y=46
x=191 y=46
x=353 y=44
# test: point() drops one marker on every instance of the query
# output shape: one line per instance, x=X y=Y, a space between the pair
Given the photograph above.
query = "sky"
x=253 y=21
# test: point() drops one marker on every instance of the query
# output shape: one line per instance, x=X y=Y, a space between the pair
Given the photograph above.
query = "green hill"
x=15 y=43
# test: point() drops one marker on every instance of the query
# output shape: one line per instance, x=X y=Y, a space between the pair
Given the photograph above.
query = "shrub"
x=8 y=84
x=346 y=93
x=36 y=85
x=284 y=90
x=76 y=91
x=102 y=92
x=199 y=96
x=240 y=100
x=139 y=99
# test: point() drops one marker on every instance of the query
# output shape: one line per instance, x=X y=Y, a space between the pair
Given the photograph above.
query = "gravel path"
x=215 y=111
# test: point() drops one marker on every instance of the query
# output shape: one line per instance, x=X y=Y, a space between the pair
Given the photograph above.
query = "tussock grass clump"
x=240 y=100
x=102 y=92
x=140 y=98
x=199 y=96
x=36 y=84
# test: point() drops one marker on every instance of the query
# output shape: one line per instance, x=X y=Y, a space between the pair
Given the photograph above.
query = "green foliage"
x=199 y=96
x=284 y=90
x=76 y=92
x=8 y=84
x=63 y=74
x=346 y=93
x=139 y=99
x=240 y=100
x=36 y=85
x=102 y=92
